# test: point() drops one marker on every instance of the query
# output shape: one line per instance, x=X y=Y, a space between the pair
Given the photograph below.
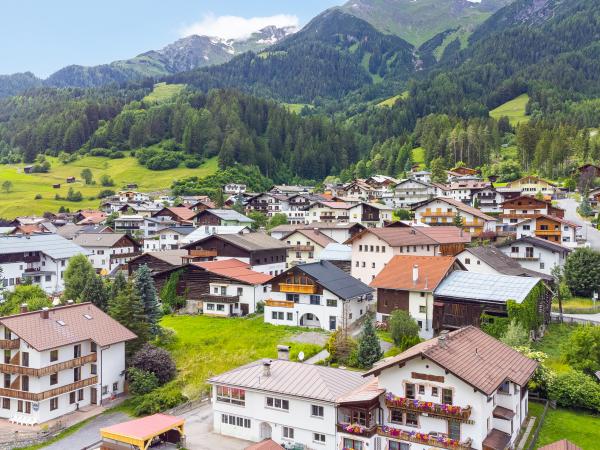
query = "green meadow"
x=513 y=109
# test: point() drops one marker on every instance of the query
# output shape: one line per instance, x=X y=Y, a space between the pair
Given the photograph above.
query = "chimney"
x=267 y=368
x=442 y=338
x=415 y=275
x=23 y=308
x=283 y=352
x=45 y=313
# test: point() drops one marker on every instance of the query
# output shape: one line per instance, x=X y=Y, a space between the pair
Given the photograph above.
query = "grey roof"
x=335 y=279
x=53 y=245
x=294 y=379
x=503 y=263
x=230 y=214
x=320 y=225
x=538 y=242
x=181 y=230
x=172 y=257
x=70 y=230
x=98 y=239
x=336 y=252
x=486 y=287
x=249 y=241
x=7 y=230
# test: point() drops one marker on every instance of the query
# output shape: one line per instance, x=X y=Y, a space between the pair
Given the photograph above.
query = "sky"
x=41 y=36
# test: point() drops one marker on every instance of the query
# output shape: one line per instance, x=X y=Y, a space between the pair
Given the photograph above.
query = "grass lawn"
x=163 y=92
x=551 y=343
x=513 y=109
x=418 y=156
x=577 y=305
x=20 y=200
x=297 y=107
x=581 y=428
x=206 y=346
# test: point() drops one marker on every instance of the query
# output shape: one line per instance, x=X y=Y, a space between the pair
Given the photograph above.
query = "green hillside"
x=513 y=109
x=21 y=199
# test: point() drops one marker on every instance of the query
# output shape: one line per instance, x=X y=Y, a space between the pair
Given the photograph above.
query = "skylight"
x=87 y=316
x=61 y=323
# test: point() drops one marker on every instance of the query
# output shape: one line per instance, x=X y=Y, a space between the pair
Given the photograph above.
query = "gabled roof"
x=173 y=257
x=82 y=321
x=100 y=239
x=335 y=205
x=560 y=445
x=503 y=263
x=320 y=225
x=529 y=178
x=398 y=273
x=458 y=205
x=229 y=214
x=294 y=379
x=538 y=242
x=473 y=356
x=184 y=231
x=182 y=212
x=236 y=270
x=312 y=234
x=333 y=279
x=409 y=235
x=250 y=242
x=143 y=429
x=336 y=252
x=551 y=218
x=266 y=444
x=53 y=245
x=485 y=287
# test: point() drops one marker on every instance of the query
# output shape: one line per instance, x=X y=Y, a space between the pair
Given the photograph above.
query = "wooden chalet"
x=158 y=261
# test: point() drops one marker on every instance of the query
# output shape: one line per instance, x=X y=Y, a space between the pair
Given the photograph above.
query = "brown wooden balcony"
x=125 y=255
x=220 y=298
x=279 y=303
x=298 y=288
x=357 y=430
x=430 y=408
x=21 y=370
x=438 y=214
x=203 y=253
x=437 y=441
x=39 y=396
x=31 y=258
x=9 y=344
x=547 y=233
x=303 y=248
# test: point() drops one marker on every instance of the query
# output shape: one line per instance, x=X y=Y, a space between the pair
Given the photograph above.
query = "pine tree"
x=128 y=310
x=118 y=285
x=96 y=292
x=144 y=287
x=458 y=220
x=78 y=275
x=369 y=350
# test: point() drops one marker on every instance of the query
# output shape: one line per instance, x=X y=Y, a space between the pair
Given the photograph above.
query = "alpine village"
x=374 y=228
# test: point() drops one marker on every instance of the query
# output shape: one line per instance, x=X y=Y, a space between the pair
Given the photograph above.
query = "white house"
x=536 y=254
x=305 y=246
x=106 y=251
x=208 y=230
x=338 y=231
x=41 y=257
x=131 y=224
x=411 y=191
x=171 y=238
x=59 y=360
x=317 y=295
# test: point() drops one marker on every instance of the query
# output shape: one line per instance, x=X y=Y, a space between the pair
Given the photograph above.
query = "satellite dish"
x=301 y=356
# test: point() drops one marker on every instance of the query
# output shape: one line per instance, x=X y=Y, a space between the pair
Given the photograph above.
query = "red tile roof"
x=144 y=428
x=267 y=444
x=182 y=212
x=473 y=356
x=560 y=445
x=235 y=269
x=67 y=325
x=397 y=236
x=398 y=272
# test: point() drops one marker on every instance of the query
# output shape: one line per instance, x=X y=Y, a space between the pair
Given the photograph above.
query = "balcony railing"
x=39 y=396
x=303 y=248
x=547 y=232
x=357 y=429
x=298 y=288
x=9 y=344
x=279 y=303
x=21 y=370
x=220 y=298
x=438 y=409
x=526 y=258
x=31 y=258
x=473 y=224
x=438 y=214
x=125 y=255
x=203 y=253
x=438 y=441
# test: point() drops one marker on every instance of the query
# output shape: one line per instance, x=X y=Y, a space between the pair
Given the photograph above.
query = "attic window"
x=61 y=323
x=87 y=316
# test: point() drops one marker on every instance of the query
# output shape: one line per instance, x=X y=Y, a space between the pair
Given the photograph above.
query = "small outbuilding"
x=28 y=169
x=70 y=179
x=142 y=433
x=56 y=186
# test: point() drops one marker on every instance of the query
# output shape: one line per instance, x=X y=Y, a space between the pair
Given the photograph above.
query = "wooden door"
x=94 y=396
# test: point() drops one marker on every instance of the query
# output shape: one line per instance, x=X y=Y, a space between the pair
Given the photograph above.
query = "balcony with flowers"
x=437 y=440
x=358 y=421
x=436 y=409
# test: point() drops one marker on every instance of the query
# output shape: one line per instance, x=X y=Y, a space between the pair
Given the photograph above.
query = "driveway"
x=588 y=231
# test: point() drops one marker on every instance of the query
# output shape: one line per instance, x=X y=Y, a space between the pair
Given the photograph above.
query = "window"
x=315 y=299
x=316 y=411
x=25 y=383
x=220 y=307
x=53 y=379
x=351 y=443
x=504 y=388
x=76 y=373
x=434 y=392
x=421 y=389
x=422 y=309
x=394 y=445
x=526 y=227
x=288 y=432
x=71 y=397
x=93 y=347
x=396 y=416
x=529 y=252
x=278 y=403
x=6 y=356
x=115 y=387
x=467 y=260
x=53 y=355
x=80 y=395
x=319 y=438
x=454 y=430
x=210 y=306
x=412 y=419
x=7 y=380
x=410 y=390
x=77 y=351
x=105 y=389
x=25 y=359
x=332 y=302
x=292 y=298
x=53 y=403
x=240 y=291
x=447 y=396
x=231 y=395
x=6 y=403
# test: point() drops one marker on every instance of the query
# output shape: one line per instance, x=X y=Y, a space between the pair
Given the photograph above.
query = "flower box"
x=441 y=409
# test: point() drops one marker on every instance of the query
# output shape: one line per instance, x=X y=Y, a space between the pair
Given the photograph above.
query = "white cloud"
x=235 y=27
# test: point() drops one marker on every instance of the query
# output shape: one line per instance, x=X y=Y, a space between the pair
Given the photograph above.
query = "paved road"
x=591 y=234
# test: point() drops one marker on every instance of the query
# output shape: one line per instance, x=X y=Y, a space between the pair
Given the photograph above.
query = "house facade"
x=549 y=228
x=536 y=254
x=442 y=211
x=58 y=360
x=107 y=251
x=531 y=185
x=411 y=191
x=305 y=246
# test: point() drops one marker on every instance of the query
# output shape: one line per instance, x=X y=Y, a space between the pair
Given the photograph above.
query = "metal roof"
x=535 y=241
x=53 y=245
x=486 y=287
x=503 y=263
x=336 y=252
x=230 y=214
x=335 y=279
x=100 y=239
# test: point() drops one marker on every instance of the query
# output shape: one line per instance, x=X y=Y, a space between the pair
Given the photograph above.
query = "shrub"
x=575 y=389
x=369 y=350
x=342 y=349
x=141 y=382
x=582 y=349
x=543 y=375
x=158 y=400
x=73 y=195
x=192 y=163
x=106 y=193
x=163 y=161
x=116 y=155
x=260 y=307
x=38 y=196
x=515 y=335
x=155 y=360
x=403 y=329
x=106 y=181
x=582 y=271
